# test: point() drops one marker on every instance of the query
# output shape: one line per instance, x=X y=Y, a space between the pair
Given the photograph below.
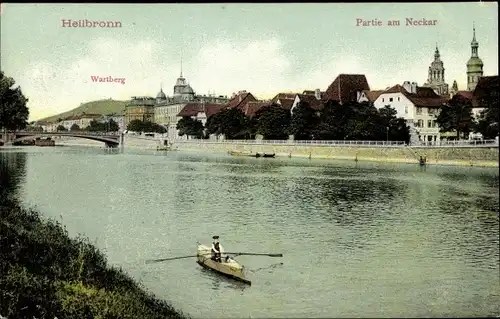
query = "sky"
x=262 y=48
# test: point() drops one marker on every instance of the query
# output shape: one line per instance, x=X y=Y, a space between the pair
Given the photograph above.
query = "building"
x=474 y=65
x=83 y=121
x=369 y=96
x=200 y=111
x=314 y=101
x=139 y=108
x=346 y=88
x=454 y=89
x=167 y=108
x=418 y=106
x=118 y=119
x=285 y=100
x=435 y=79
x=240 y=99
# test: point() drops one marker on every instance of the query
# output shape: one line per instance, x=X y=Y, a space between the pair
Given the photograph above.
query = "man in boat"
x=216 y=249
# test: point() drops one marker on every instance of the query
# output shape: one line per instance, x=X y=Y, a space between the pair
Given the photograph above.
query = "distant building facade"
x=435 y=79
x=418 y=106
x=139 y=108
x=474 y=65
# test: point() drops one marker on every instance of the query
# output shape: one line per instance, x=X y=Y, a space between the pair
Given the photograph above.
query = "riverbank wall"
x=459 y=156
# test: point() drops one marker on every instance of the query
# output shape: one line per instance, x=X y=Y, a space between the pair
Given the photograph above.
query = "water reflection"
x=222 y=282
x=12 y=173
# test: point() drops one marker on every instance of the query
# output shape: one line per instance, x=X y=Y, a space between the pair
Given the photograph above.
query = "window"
x=406 y=109
x=390 y=99
x=429 y=123
x=434 y=123
x=398 y=98
x=382 y=99
x=420 y=123
x=419 y=110
x=431 y=111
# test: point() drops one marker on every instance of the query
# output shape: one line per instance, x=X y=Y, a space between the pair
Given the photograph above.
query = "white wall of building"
x=399 y=102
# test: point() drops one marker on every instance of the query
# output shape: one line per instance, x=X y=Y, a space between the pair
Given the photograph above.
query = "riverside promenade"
x=461 y=153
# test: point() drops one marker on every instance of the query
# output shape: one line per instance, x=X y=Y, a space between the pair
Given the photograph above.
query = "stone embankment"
x=461 y=156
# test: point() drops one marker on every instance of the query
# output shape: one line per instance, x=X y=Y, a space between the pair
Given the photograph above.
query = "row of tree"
x=145 y=126
x=350 y=121
x=94 y=126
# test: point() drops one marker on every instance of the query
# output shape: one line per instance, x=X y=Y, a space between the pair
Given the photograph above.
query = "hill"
x=103 y=107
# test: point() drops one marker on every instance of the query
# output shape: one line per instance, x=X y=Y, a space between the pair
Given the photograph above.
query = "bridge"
x=111 y=139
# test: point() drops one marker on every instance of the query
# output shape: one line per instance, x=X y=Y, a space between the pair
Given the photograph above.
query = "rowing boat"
x=228 y=267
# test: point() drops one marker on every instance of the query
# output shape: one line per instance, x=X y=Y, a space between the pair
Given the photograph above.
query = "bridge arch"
x=108 y=140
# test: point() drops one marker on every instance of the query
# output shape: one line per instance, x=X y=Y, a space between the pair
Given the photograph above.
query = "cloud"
x=54 y=88
x=259 y=66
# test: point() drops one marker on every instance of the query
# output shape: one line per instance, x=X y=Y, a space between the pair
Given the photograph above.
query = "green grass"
x=45 y=274
x=103 y=107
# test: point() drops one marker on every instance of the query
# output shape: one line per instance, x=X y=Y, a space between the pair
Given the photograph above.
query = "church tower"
x=435 y=79
x=474 y=65
x=454 y=89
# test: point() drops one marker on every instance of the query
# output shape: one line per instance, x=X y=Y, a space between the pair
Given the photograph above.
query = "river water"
x=359 y=239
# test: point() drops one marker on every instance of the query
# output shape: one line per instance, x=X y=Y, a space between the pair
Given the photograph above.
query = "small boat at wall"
x=265 y=155
x=249 y=154
x=228 y=267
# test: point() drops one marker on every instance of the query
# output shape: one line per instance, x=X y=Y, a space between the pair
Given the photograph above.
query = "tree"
x=61 y=128
x=95 y=126
x=74 y=127
x=13 y=110
x=190 y=127
x=273 y=122
x=112 y=126
x=487 y=122
x=456 y=116
x=391 y=127
x=135 y=126
x=303 y=121
x=233 y=123
x=145 y=126
x=362 y=121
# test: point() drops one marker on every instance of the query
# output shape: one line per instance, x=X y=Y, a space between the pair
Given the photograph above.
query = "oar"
x=256 y=254
x=165 y=259
x=192 y=256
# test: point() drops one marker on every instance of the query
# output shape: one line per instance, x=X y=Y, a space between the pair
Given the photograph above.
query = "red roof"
x=286 y=103
x=314 y=103
x=466 y=94
x=253 y=107
x=423 y=97
x=193 y=109
x=240 y=100
x=423 y=91
x=281 y=96
x=345 y=87
x=372 y=95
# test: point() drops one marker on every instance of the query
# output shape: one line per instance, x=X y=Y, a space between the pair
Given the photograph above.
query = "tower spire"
x=473 y=31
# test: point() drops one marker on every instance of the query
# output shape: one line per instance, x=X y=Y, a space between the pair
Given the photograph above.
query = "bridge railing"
x=295 y=142
x=464 y=143
x=70 y=133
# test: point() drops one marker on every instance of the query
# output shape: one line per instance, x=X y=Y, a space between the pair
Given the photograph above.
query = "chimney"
x=407 y=86
x=413 y=87
x=317 y=94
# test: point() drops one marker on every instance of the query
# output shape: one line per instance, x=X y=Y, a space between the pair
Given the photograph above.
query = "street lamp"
x=387 y=135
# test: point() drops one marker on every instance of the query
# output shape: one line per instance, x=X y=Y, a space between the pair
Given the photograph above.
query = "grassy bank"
x=46 y=274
